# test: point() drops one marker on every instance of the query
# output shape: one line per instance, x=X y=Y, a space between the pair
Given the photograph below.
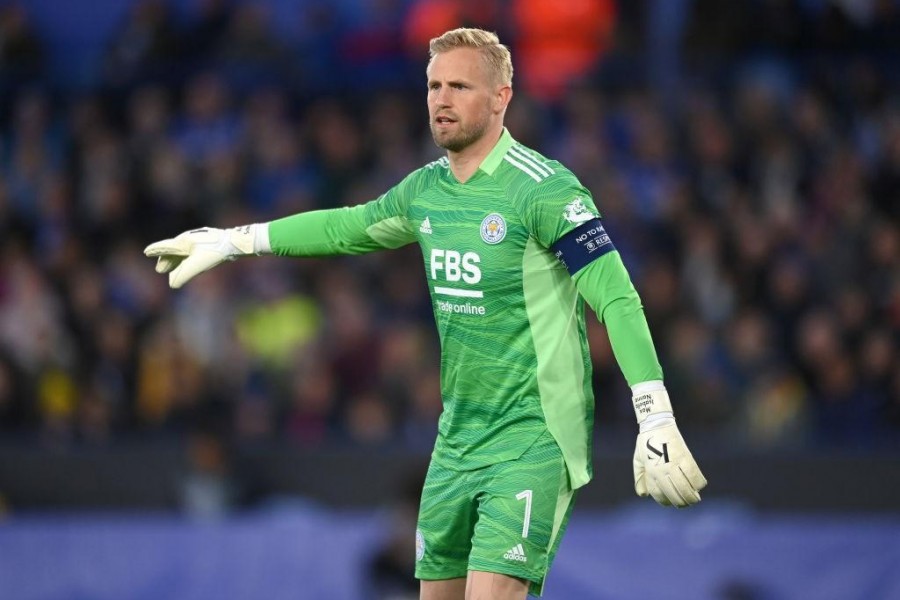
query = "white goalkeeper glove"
x=663 y=466
x=198 y=250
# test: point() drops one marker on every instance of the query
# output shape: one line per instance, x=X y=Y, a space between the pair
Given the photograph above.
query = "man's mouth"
x=444 y=120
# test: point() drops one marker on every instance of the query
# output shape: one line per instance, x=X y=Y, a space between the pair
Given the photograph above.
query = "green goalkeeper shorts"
x=505 y=518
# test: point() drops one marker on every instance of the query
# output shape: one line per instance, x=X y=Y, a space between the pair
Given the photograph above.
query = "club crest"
x=493 y=229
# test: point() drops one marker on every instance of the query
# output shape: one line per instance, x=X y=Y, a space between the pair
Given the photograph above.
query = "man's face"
x=461 y=98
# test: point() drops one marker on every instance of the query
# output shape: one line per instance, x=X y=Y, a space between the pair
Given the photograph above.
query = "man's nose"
x=442 y=98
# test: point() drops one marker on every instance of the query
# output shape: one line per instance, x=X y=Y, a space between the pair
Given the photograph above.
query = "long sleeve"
x=379 y=224
x=607 y=288
x=336 y=231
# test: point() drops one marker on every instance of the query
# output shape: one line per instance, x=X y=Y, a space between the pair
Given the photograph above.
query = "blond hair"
x=495 y=54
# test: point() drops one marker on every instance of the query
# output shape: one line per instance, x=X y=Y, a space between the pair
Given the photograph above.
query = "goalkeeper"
x=511 y=243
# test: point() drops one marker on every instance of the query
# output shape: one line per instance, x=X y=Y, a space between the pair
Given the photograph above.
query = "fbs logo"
x=517 y=552
x=455 y=266
x=425 y=227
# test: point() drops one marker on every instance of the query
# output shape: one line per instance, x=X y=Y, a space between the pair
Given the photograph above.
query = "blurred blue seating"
x=713 y=552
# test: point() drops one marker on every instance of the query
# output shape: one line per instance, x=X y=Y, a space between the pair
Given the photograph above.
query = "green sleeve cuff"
x=607 y=288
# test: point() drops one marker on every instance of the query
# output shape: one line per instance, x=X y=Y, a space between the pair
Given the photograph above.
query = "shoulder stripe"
x=541 y=167
x=441 y=162
x=522 y=167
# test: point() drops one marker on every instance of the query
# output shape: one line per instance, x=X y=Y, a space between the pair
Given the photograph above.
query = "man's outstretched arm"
x=353 y=230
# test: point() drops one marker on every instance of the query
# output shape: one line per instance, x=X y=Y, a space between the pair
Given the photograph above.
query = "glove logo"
x=663 y=454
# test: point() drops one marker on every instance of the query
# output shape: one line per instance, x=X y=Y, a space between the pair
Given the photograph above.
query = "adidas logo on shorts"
x=517 y=552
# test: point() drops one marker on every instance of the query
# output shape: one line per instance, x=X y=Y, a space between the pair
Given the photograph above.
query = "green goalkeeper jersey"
x=514 y=355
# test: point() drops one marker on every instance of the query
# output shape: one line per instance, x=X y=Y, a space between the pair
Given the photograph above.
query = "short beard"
x=465 y=138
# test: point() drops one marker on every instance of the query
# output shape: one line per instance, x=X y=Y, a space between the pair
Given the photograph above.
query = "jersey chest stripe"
x=531 y=161
x=446 y=291
x=522 y=168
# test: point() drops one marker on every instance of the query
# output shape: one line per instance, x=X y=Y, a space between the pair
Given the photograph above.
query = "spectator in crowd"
x=145 y=46
x=760 y=211
x=560 y=43
x=22 y=53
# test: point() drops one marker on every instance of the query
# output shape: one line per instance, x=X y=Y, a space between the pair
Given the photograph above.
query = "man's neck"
x=464 y=163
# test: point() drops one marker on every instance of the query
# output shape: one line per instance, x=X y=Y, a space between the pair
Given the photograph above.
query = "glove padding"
x=664 y=467
x=193 y=252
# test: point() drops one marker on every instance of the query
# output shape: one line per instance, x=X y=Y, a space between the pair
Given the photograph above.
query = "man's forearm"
x=322 y=233
x=606 y=286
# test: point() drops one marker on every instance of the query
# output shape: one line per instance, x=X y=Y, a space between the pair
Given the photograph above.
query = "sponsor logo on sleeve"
x=420 y=545
x=576 y=211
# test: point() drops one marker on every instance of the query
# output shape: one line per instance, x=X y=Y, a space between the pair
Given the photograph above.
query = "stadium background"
x=262 y=432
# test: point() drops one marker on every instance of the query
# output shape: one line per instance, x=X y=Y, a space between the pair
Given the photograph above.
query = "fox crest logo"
x=577 y=212
x=493 y=228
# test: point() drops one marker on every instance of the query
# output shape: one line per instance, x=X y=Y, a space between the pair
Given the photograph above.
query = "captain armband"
x=583 y=245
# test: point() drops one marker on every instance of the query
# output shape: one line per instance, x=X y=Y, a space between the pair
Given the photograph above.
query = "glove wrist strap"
x=250 y=239
x=650 y=398
x=656 y=421
x=261 y=243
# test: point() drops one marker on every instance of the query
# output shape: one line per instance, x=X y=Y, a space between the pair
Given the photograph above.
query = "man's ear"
x=502 y=98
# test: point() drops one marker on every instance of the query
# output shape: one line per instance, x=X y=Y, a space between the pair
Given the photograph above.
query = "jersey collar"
x=492 y=160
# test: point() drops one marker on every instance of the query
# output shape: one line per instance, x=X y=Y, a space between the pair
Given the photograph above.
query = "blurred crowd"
x=745 y=157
